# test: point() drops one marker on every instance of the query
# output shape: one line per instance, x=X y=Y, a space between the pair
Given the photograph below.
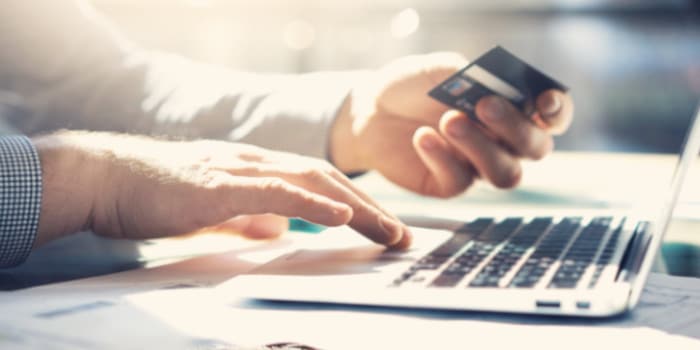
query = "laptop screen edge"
x=689 y=153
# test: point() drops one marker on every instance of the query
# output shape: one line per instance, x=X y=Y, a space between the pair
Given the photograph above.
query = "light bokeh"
x=632 y=66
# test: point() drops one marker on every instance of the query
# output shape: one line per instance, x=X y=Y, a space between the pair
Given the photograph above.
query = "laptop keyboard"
x=546 y=253
x=518 y=254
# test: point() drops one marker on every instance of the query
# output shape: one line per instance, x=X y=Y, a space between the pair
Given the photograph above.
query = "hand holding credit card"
x=497 y=72
x=426 y=142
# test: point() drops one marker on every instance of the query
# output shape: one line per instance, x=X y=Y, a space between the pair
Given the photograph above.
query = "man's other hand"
x=390 y=124
x=135 y=187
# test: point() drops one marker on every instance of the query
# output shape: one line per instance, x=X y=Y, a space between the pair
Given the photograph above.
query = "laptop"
x=556 y=265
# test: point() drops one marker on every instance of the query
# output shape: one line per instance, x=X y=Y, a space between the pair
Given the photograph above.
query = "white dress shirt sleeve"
x=74 y=71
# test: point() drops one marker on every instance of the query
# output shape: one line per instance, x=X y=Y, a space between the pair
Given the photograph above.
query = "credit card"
x=497 y=72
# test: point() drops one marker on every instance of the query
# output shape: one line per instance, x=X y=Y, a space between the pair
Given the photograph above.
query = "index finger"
x=368 y=218
x=406 y=237
x=555 y=111
x=270 y=195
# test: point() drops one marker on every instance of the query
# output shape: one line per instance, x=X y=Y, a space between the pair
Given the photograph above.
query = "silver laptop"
x=571 y=265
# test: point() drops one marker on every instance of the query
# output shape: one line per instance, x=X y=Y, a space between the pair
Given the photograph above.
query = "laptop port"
x=547 y=304
x=583 y=305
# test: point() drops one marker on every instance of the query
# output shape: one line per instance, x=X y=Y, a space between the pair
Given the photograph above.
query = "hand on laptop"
x=390 y=124
x=124 y=186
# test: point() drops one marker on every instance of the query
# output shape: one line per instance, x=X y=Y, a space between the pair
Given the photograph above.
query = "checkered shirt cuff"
x=20 y=198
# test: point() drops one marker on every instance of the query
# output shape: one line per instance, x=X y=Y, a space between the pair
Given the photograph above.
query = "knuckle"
x=533 y=145
x=214 y=180
x=303 y=202
x=538 y=153
x=272 y=185
x=508 y=177
x=532 y=150
x=276 y=193
x=294 y=197
x=314 y=175
x=325 y=167
x=541 y=150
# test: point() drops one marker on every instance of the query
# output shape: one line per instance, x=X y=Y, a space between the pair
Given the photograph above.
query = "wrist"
x=69 y=176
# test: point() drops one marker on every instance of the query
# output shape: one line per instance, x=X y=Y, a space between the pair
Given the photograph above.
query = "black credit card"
x=497 y=72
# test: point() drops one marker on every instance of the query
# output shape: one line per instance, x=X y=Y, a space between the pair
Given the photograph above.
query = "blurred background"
x=633 y=66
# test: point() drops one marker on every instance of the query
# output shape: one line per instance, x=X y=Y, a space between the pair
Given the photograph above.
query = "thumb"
x=441 y=65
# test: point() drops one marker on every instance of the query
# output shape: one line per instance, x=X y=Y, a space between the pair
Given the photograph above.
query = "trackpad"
x=358 y=260
x=352 y=258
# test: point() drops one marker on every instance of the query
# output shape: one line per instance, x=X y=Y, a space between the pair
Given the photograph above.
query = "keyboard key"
x=606 y=255
x=477 y=252
x=547 y=251
x=500 y=231
x=581 y=254
x=461 y=237
x=451 y=246
x=475 y=227
x=446 y=280
x=440 y=255
x=511 y=253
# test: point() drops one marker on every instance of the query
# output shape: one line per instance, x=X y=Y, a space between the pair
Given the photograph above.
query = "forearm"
x=75 y=71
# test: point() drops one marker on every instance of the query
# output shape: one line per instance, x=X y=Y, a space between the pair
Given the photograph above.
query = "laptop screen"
x=688 y=155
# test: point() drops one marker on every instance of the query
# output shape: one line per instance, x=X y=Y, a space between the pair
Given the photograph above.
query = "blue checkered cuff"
x=20 y=198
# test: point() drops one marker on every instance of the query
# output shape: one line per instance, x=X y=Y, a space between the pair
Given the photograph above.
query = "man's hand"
x=135 y=187
x=391 y=125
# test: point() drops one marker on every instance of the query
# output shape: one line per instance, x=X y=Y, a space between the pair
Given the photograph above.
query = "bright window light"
x=405 y=23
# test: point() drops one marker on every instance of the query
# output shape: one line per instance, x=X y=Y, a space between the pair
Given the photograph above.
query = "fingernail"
x=392 y=230
x=428 y=143
x=551 y=106
x=405 y=242
x=494 y=109
x=407 y=238
x=457 y=128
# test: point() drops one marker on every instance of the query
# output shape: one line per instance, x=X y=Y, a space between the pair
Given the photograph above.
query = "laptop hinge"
x=634 y=254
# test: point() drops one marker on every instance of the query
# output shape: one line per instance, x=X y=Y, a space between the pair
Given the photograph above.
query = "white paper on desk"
x=69 y=322
x=339 y=327
x=16 y=338
x=95 y=313
x=202 y=319
x=671 y=304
